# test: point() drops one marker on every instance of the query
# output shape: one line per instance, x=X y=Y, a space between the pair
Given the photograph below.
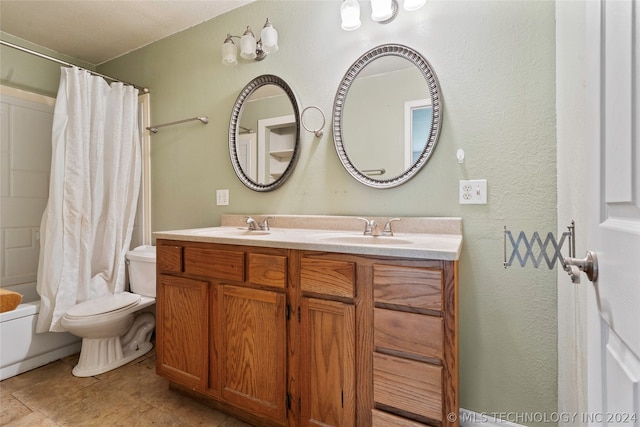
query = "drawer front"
x=383 y=419
x=415 y=334
x=169 y=258
x=328 y=277
x=408 y=385
x=268 y=270
x=226 y=265
x=408 y=286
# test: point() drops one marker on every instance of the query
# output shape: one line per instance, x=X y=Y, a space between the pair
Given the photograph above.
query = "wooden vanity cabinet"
x=415 y=357
x=182 y=313
x=221 y=328
x=328 y=341
x=282 y=337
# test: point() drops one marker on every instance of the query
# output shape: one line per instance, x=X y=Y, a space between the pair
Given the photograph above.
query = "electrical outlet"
x=222 y=197
x=473 y=192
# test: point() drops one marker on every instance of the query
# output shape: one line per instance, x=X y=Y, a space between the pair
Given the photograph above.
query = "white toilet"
x=111 y=331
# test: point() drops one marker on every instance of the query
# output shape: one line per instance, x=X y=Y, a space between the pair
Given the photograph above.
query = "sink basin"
x=361 y=239
x=229 y=232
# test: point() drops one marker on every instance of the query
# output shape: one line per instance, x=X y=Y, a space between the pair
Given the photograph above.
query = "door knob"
x=588 y=264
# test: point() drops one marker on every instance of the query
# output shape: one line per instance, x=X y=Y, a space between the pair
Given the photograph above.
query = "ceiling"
x=97 y=31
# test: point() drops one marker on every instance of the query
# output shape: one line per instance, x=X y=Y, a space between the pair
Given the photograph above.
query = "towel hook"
x=318 y=132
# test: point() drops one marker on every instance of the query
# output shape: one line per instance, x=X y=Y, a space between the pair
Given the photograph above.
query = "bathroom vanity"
x=313 y=323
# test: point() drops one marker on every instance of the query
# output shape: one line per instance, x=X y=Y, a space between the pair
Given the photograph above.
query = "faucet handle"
x=367 y=227
x=252 y=223
x=388 y=231
x=265 y=223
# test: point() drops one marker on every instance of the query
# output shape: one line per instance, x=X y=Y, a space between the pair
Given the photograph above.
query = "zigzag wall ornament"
x=535 y=244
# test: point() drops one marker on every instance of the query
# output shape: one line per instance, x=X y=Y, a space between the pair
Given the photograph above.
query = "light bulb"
x=350 y=13
x=381 y=10
x=413 y=4
x=269 y=38
x=248 y=45
x=229 y=52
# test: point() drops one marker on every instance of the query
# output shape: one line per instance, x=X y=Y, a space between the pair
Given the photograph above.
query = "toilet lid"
x=104 y=304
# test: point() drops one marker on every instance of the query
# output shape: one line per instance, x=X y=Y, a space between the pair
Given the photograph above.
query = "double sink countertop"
x=438 y=238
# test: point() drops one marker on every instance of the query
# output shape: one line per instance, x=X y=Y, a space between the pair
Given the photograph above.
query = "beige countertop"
x=437 y=238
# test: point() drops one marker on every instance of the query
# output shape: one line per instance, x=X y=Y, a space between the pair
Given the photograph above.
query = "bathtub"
x=21 y=348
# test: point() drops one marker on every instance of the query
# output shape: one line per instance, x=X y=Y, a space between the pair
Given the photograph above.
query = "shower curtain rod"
x=50 y=58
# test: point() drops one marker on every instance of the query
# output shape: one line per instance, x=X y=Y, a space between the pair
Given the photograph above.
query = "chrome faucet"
x=388 y=231
x=371 y=227
x=254 y=225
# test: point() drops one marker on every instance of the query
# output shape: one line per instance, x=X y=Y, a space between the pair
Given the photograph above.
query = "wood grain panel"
x=218 y=264
x=407 y=385
x=328 y=363
x=254 y=350
x=413 y=287
x=416 y=334
x=384 y=419
x=169 y=258
x=268 y=270
x=182 y=345
x=328 y=277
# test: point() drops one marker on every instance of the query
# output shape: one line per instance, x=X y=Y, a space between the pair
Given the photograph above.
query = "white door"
x=247 y=151
x=613 y=32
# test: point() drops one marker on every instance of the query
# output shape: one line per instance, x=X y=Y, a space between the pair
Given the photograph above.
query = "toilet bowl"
x=113 y=328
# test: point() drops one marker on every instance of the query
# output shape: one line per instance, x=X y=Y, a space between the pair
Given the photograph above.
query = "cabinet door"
x=253 y=350
x=328 y=363
x=182 y=345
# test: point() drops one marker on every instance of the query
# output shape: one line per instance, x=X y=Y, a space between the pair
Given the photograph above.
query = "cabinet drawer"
x=383 y=419
x=408 y=286
x=416 y=334
x=268 y=270
x=169 y=258
x=328 y=277
x=214 y=263
x=407 y=385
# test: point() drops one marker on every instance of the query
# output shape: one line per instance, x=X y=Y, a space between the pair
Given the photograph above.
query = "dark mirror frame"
x=339 y=102
x=234 y=123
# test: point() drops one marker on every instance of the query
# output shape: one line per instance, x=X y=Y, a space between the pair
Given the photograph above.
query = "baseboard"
x=476 y=419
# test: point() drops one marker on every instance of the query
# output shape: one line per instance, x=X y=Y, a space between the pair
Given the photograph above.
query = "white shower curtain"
x=95 y=179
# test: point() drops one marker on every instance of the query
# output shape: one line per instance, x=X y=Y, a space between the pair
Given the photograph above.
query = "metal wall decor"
x=431 y=90
x=573 y=266
x=536 y=243
x=234 y=130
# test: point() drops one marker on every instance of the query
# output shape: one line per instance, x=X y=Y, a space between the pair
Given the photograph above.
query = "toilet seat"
x=108 y=304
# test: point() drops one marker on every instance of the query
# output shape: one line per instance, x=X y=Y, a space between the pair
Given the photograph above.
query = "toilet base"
x=94 y=351
x=100 y=355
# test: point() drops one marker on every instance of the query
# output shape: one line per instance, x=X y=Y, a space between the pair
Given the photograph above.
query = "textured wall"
x=496 y=64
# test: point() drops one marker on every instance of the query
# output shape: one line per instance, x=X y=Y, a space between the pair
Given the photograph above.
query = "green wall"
x=31 y=73
x=495 y=61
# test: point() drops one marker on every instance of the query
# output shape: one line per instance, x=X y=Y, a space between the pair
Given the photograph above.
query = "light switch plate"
x=222 y=197
x=473 y=192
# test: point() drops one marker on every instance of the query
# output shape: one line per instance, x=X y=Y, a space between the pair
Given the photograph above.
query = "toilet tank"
x=142 y=270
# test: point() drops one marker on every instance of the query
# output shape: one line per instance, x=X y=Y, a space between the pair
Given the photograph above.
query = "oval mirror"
x=387 y=115
x=264 y=133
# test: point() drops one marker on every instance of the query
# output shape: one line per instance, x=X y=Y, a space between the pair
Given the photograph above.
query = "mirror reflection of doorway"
x=276 y=142
x=418 y=115
x=247 y=150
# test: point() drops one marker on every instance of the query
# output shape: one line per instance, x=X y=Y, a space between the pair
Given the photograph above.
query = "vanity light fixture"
x=250 y=48
x=382 y=11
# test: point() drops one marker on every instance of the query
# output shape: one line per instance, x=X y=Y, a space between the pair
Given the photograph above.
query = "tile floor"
x=132 y=395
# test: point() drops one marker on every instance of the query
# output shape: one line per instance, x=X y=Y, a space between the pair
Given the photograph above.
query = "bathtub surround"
x=21 y=348
x=496 y=66
x=95 y=180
